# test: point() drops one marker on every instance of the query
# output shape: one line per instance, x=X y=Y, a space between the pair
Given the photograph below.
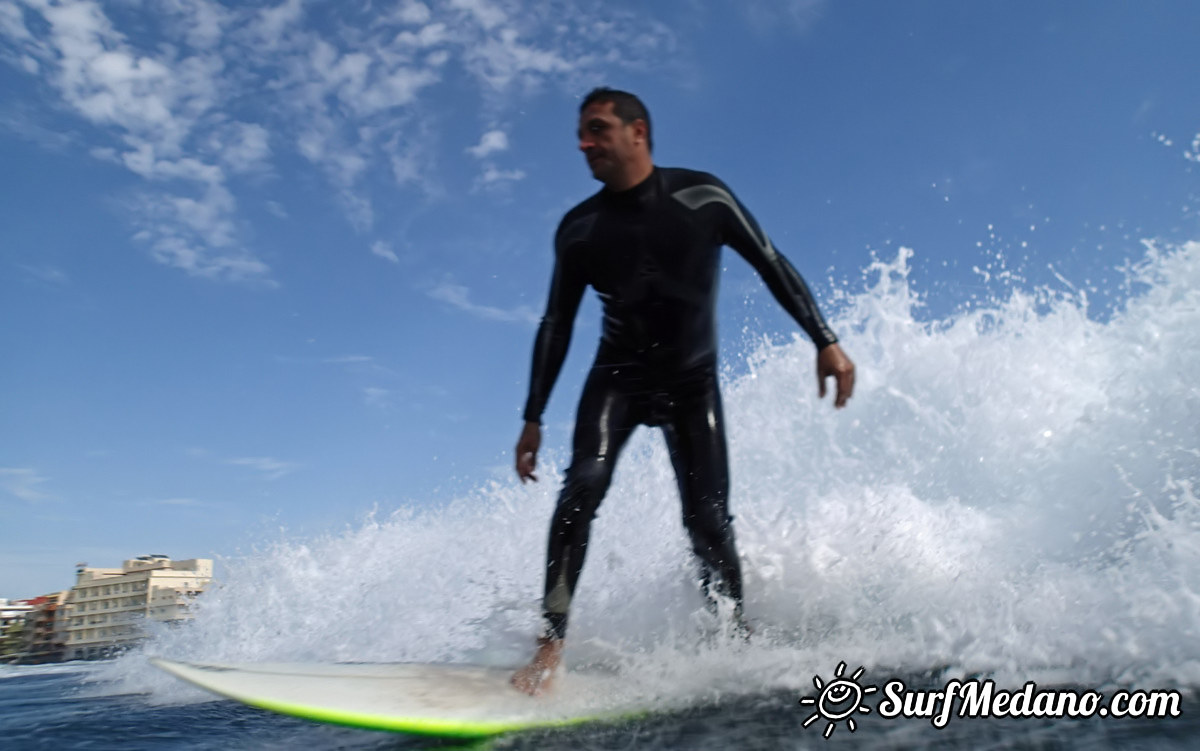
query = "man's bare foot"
x=537 y=677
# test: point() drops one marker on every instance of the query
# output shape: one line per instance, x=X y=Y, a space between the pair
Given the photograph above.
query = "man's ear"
x=639 y=129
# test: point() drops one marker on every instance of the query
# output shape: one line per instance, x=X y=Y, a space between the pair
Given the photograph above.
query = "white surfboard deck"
x=463 y=701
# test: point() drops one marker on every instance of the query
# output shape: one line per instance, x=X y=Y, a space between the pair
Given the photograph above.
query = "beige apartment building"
x=107 y=607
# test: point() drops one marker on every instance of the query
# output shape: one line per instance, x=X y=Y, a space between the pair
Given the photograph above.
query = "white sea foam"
x=1012 y=490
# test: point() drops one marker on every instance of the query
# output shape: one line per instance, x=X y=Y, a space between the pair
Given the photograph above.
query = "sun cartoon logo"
x=839 y=700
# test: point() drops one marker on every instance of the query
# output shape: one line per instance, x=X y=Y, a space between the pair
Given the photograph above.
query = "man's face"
x=608 y=143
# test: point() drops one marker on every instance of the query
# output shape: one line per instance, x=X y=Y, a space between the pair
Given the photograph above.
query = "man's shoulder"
x=695 y=189
x=587 y=206
x=577 y=222
x=678 y=178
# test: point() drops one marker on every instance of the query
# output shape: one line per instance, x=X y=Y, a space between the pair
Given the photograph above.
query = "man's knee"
x=709 y=529
x=585 y=485
x=588 y=476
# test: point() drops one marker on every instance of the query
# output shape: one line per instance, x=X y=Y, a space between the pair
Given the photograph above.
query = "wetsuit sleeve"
x=554 y=333
x=742 y=233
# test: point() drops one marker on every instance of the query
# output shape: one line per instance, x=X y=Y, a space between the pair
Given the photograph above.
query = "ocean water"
x=1013 y=494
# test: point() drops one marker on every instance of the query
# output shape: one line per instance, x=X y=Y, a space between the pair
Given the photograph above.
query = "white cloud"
x=348 y=359
x=193 y=94
x=179 y=502
x=485 y=13
x=143 y=161
x=503 y=60
x=774 y=15
x=108 y=82
x=48 y=274
x=23 y=483
x=197 y=234
x=242 y=147
x=413 y=12
x=377 y=397
x=413 y=160
x=433 y=35
x=272 y=24
x=396 y=89
x=492 y=176
x=490 y=143
x=153 y=103
x=12 y=22
x=358 y=208
x=405 y=166
x=383 y=250
x=1193 y=155
x=25 y=124
x=200 y=22
x=460 y=297
x=271 y=469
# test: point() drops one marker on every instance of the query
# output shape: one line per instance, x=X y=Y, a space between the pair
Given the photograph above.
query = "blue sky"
x=273 y=265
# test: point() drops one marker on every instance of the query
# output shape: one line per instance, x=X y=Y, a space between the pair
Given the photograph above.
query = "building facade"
x=107 y=609
x=43 y=638
x=12 y=628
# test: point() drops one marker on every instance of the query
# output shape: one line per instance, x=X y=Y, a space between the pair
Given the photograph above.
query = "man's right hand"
x=831 y=361
x=527 y=448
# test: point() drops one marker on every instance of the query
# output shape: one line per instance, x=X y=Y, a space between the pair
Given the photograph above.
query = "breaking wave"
x=1012 y=491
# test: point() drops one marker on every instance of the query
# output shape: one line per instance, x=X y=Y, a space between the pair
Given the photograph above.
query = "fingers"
x=845 y=387
x=832 y=362
x=526 y=462
x=527 y=448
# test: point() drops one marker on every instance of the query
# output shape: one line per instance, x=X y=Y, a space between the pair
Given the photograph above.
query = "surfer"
x=649 y=244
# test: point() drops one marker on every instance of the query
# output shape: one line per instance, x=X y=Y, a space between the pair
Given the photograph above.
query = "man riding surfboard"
x=649 y=244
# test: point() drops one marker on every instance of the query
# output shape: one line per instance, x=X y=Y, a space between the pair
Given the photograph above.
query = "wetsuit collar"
x=639 y=195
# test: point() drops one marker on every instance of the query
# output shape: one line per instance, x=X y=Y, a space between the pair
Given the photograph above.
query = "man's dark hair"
x=625 y=106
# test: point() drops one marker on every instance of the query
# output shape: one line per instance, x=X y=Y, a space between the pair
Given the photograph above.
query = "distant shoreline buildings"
x=104 y=613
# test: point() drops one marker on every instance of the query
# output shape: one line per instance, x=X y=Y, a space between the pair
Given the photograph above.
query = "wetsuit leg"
x=695 y=435
x=606 y=418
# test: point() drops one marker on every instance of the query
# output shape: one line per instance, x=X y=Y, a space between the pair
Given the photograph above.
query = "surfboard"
x=446 y=700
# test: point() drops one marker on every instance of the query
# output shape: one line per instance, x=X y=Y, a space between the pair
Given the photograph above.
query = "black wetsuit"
x=652 y=253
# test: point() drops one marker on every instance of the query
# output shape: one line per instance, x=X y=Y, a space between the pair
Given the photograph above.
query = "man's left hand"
x=831 y=361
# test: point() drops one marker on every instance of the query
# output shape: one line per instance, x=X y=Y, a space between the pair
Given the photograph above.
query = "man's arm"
x=554 y=333
x=549 y=352
x=742 y=233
